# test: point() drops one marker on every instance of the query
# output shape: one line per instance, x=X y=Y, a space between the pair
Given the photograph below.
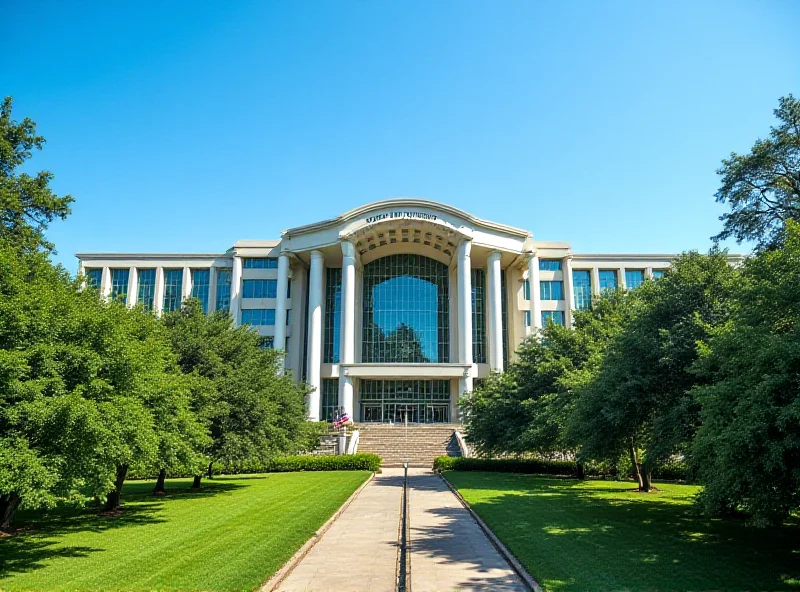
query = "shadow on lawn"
x=39 y=534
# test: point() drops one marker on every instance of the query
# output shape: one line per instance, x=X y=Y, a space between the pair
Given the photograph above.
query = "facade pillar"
x=212 y=289
x=347 y=328
x=595 y=281
x=568 y=290
x=236 y=289
x=158 y=296
x=187 y=284
x=279 y=341
x=465 y=313
x=536 y=296
x=495 y=313
x=133 y=286
x=649 y=273
x=105 y=283
x=622 y=282
x=315 y=332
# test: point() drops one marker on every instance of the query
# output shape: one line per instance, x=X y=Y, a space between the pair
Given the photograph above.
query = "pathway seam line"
x=280 y=575
x=501 y=548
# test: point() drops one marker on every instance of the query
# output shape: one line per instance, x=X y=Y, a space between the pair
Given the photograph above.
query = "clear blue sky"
x=187 y=126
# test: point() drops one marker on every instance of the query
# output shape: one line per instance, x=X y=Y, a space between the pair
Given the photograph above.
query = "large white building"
x=391 y=310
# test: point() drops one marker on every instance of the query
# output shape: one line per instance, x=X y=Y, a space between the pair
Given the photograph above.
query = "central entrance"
x=398 y=401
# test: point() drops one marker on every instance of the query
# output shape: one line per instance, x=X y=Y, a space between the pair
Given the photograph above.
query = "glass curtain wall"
x=119 y=284
x=582 y=286
x=333 y=310
x=173 y=288
x=478 y=316
x=200 y=281
x=224 y=275
x=398 y=401
x=329 y=398
x=147 y=288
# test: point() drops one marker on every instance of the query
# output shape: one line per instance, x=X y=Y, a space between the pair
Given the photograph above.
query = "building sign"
x=401 y=215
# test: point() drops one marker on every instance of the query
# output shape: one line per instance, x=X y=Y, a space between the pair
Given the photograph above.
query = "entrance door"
x=402 y=412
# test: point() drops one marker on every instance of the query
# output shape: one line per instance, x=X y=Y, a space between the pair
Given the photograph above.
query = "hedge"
x=343 y=462
x=507 y=465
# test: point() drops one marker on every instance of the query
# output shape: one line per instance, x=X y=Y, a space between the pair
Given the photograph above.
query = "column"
x=236 y=289
x=347 y=327
x=105 y=283
x=158 y=296
x=280 y=304
x=568 y=291
x=187 y=284
x=595 y=281
x=212 y=289
x=133 y=286
x=465 y=314
x=621 y=279
x=495 y=313
x=536 y=296
x=649 y=273
x=315 y=332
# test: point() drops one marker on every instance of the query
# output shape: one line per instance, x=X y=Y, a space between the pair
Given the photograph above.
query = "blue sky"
x=186 y=127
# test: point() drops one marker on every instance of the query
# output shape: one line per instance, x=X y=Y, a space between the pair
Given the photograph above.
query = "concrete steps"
x=417 y=444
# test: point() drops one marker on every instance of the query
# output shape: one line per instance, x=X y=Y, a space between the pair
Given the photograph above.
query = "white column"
x=315 y=332
x=347 y=327
x=536 y=296
x=495 y=313
x=465 y=313
x=621 y=279
x=187 y=283
x=595 y=281
x=568 y=291
x=279 y=341
x=236 y=289
x=105 y=283
x=133 y=286
x=649 y=273
x=212 y=289
x=158 y=296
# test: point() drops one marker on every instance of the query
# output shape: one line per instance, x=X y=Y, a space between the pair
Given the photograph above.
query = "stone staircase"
x=419 y=446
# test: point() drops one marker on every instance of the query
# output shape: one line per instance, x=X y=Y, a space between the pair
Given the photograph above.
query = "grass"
x=232 y=535
x=603 y=535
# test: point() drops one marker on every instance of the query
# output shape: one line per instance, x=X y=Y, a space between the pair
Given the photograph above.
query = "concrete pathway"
x=448 y=550
x=359 y=551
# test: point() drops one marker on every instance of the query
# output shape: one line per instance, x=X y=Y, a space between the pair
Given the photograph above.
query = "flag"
x=340 y=421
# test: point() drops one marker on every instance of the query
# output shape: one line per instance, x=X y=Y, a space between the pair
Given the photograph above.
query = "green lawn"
x=603 y=535
x=232 y=535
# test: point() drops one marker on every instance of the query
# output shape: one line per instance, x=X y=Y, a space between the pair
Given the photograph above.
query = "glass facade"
x=551 y=290
x=550 y=264
x=478 y=316
x=504 y=313
x=526 y=289
x=406 y=316
x=173 y=289
x=634 y=278
x=553 y=316
x=224 y=275
x=608 y=279
x=329 y=398
x=119 y=284
x=527 y=318
x=94 y=277
x=147 y=288
x=658 y=273
x=333 y=310
x=582 y=288
x=260 y=263
x=200 y=283
x=259 y=288
x=258 y=317
x=398 y=401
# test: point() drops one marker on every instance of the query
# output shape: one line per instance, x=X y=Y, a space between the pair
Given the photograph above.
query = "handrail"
x=352 y=445
x=462 y=444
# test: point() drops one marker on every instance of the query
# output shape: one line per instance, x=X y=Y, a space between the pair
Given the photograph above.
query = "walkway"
x=447 y=550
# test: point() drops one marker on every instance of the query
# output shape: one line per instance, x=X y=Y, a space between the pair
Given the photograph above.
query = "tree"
x=641 y=396
x=747 y=451
x=762 y=188
x=27 y=204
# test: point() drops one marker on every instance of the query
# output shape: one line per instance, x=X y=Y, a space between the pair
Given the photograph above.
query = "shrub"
x=344 y=462
x=503 y=465
x=671 y=472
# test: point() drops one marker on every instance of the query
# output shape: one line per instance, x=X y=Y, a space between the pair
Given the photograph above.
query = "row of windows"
x=260 y=263
x=548 y=290
x=263 y=289
x=555 y=316
x=261 y=317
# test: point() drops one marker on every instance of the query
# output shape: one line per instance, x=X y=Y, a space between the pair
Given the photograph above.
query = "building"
x=391 y=310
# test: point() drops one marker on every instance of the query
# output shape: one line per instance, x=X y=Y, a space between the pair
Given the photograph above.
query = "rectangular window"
x=526 y=289
x=258 y=317
x=260 y=263
x=582 y=286
x=478 y=316
x=333 y=308
x=288 y=316
x=173 y=289
x=259 y=288
x=658 y=273
x=634 y=278
x=94 y=277
x=527 y=318
x=200 y=283
x=553 y=316
x=504 y=315
x=329 y=399
x=224 y=275
x=608 y=279
x=119 y=285
x=147 y=288
x=551 y=290
x=550 y=264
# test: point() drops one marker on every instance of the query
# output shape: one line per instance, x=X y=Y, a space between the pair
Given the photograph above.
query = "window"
x=260 y=263
x=553 y=316
x=550 y=264
x=147 y=288
x=582 y=286
x=224 y=275
x=119 y=284
x=527 y=318
x=329 y=399
x=608 y=279
x=658 y=273
x=267 y=342
x=504 y=316
x=551 y=290
x=258 y=317
x=200 y=282
x=259 y=288
x=94 y=277
x=478 y=316
x=333 y=310
x=173 y=288
x=634 y=278
x=415 y=401
x=526 y=289
x=288 y=316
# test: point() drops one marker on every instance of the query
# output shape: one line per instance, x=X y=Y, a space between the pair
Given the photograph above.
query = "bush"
x=525 y=466
x=345 y=462
x=671 y=472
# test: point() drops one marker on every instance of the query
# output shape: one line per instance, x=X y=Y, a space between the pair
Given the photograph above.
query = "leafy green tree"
x=641 y=396
x=762 y=188
x=747 y=452
x=27 y=204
